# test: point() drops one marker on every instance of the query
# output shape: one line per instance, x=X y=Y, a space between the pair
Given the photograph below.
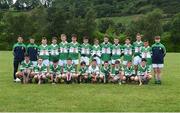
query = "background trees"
x=121 y=18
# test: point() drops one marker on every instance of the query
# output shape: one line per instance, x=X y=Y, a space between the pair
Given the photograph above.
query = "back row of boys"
x=100 y=52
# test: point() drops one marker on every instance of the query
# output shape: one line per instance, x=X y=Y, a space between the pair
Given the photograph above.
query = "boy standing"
x=44 y=51
x=19 y=50
x=158 y=54
x=96 y=51
x=106 y=50
x=54 y=50
x=85 y=51
x=32 y=51
x=63 y=50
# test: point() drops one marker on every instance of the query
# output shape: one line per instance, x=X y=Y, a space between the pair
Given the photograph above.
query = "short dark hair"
x=106 y=62
x=127 y=38
x=83 y=63
x=54 y=38
x=44 y=38
x=117 y=62
x=144 y=60
x=69 y=59
x=55 y=60
x=74 y=35
x=26 y=55
x=86 y=37
x=94 y=60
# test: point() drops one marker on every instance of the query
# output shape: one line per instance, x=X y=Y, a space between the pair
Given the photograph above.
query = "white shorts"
x=137 y=60
x=46 y=62
x=113 y=61
x=62 y=62
x=98 y=60
x=75 y=62
x=85 y=59
x=34 y=63
x=115 y=78
x=124 y=62
x=157 y=65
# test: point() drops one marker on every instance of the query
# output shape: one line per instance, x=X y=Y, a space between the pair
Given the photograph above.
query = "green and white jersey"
x=63 y=49
x=115 y=70
x=40 y=68
x=83 y=70
x=96 y=50
x=55 y=69
x=105 y=70
x=143 y=70
x=129 y=71
x=137 y=48
x=54 y=52
x=85 y=49
x=106 y=51
x=74 y=50
x=26 y=65
x=146 y=53
x=93 y=70
x=44 y=52
x=69 y=69
x=116 y=51
x=128 y=52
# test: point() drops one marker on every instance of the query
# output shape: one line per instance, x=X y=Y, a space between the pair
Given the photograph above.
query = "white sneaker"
x=18 y=80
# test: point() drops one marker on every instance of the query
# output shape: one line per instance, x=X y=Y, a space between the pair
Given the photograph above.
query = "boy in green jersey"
x=44 y=51
x=106 y=50
x=74 y=50
x=25 y=70
x=116 y=72
x=137 y=51
x=146 y=53
x=128 y=51
x=40 y=71
x=144 y=73
x=129 y=72
x=69 y=72
x=54 y=50
x=83 y=73
x=116 y=51
x=85 y=51
x=94 y=71
x=55 y=71
x=96 y=51
x=105 y=72
x=63 y=50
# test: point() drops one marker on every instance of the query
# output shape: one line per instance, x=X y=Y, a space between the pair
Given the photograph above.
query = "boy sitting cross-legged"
x=25 y=70
x=83 y=73
x=143 y=73
x=105 y=72
x=69 y=72
x=93 y=71
x=40 y=71
x=116 y=73
x=129 y=72
x=55 y=71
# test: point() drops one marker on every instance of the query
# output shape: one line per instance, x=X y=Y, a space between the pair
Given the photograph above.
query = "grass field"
x=89 y=97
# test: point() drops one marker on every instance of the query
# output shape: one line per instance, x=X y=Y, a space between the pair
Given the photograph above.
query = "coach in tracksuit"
x=32 y=51
x=158 y=54
x=19 y=50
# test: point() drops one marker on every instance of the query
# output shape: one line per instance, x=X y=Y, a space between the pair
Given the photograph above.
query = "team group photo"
x=89 y=55
x=82 y=63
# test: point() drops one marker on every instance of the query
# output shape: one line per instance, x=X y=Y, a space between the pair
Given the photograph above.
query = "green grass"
x=89 y=97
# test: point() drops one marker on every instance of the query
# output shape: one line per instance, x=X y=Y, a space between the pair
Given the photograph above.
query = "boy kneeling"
x=105 y=72
x=144 y=73
x=69 y=72
x=129 y=72
x=117 y=73
x=25 y=70
x=40 y=71
x=55 y=72
x=83 y=74
x=93 y=71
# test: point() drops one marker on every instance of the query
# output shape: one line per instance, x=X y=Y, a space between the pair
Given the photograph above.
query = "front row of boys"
x=92 y=74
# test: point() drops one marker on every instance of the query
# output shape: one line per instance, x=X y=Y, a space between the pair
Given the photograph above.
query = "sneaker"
x=18 y=80
x=120 y=83
x=159 y=82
